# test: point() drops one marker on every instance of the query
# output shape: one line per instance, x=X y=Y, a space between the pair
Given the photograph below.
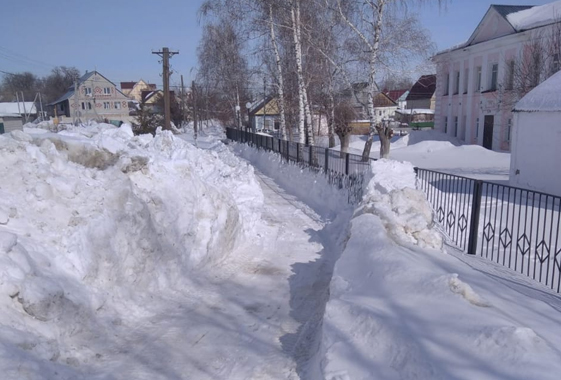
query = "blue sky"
x=116 y=37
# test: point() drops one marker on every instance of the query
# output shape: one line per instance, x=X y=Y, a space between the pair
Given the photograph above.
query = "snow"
x=429 y=149
x=409 y=111
x=17 y=107
x=544 y=98
x=535 y=16
x=170 y=257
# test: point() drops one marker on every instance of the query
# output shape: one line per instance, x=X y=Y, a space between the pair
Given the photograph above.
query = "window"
x=447 y=84
x=455 y=126
x=379 y=113
x=508 y=129
x=445 y=124
x=477 y=127
x=117 y=105
x=106 y=90
x=88 y=91
x=466 y=83
x=83 y=105
x=86 y=105
x=456 y=83
x=509 y=85
x=106 y=105
x=494 y=76
x=478 y=79
x=535 y=70
x=89 y=106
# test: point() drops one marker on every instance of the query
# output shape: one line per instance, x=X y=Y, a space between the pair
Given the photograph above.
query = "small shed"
x=536 y=138
x=10 y=122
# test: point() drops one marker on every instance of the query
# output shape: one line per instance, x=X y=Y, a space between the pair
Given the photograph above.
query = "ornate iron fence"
x=515 y=227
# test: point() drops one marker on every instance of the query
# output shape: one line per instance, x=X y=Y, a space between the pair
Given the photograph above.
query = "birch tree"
x=383 y=31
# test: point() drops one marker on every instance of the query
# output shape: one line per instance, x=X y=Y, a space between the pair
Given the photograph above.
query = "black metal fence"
x=514 y=227
x=344 y=170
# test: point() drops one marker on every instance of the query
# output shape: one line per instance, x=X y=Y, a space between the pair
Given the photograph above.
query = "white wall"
x=536 y=151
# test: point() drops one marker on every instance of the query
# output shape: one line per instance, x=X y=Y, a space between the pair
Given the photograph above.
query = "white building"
x=476 y=87
x=10 y=122
x=536 y=139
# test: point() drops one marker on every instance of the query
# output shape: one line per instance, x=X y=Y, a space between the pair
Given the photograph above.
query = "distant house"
x=97 y=98
x=152 y=100
x=134 y=90
x=422 y=94
x=536 y=138
x=264 y=114
x=384 y=105
x=27 y=110
x=398 y=96
x=478 y=79
x=10 y=122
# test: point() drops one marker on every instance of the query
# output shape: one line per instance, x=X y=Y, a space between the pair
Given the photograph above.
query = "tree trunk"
x=373 y=87
x=345 y=139
x=295 y=16
x=280 y=74
x=385 y=133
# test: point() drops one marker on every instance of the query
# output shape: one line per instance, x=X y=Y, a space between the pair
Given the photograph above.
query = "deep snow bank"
x=397 y=311
x=94 y=220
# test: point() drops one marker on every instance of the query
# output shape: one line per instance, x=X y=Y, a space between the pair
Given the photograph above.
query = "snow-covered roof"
x=535 y=16
x=546 y=97
x=17 y=108
x=2 y=114
x=415 y=111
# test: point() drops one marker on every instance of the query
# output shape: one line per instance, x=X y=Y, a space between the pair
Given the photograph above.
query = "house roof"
x=127 y=85
x=15 y=115
x=395 y=94
x=81 y=81
x=545 y=97
x=511 y=14
x=17 y=108
x=533 y=17
x=383 y=100
x=424 y=88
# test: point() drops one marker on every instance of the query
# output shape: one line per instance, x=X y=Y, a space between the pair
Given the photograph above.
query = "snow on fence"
x=514 y=227
x=344 y=170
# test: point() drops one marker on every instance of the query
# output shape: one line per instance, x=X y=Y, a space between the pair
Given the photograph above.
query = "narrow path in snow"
x=255 y=315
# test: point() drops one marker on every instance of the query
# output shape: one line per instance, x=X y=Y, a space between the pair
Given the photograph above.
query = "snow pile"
x=95 y=221
x=391 y=194
x=313 y=188
x=397 y=311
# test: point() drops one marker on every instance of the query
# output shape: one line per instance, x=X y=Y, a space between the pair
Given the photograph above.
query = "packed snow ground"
x=145 y=257
x=434 y=150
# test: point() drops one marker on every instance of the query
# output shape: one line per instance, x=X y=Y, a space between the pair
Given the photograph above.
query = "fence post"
x=280 y=149
x=475 y=212
x=326 y=160
x=311 y=156
x=297 y=152
x=346 y=163
x=287 y=151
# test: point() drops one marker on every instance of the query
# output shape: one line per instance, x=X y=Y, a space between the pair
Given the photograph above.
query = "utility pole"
x=194 y=94
x=182 y=102
x=166 y=55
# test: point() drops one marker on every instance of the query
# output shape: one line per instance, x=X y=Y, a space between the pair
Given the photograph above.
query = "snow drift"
x=95 y=220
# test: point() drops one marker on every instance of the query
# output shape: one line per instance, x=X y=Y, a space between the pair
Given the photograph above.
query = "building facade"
x=479 y=81
x=93 y=98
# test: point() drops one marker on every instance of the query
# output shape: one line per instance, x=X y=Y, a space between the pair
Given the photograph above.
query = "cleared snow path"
x=253 y=316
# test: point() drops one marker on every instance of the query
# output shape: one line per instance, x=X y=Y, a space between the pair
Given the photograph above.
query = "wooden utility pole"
x=166 y=55
x=194 y=94
x=182 y=102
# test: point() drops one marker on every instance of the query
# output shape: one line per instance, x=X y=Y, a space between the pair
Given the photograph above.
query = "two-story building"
x=94 y=97
x=479 y=81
